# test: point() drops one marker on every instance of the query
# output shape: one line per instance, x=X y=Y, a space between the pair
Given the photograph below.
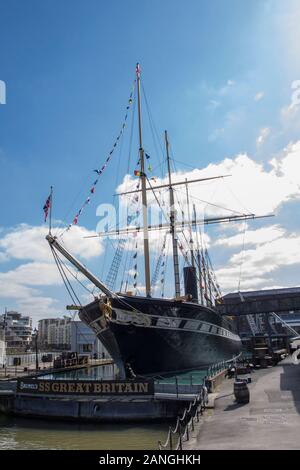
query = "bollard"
x=170 y=434
x=180 y=438
x=187 y=432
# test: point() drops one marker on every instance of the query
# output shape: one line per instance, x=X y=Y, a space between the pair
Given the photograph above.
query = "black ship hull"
x=157 y=336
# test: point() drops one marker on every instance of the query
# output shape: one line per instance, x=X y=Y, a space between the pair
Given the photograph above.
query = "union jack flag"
x=138 y=70
x=47 y=207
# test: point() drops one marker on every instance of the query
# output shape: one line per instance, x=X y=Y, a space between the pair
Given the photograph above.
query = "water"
x=35 y=434
x=194 y=377
x=107 y=372
x=103 y=372
x=21 y=433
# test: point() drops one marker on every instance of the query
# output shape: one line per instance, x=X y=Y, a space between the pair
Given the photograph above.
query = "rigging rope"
x=153 y=130
x=100 y=171
x=242 y=259
x=60 y=266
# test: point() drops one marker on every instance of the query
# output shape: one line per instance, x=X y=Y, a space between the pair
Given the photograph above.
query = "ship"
x=148 y=335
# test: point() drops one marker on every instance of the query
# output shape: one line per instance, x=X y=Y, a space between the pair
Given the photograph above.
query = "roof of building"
x=264 y=293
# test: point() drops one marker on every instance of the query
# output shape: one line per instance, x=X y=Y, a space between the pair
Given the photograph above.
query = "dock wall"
x=92 y=410
x=215 y=381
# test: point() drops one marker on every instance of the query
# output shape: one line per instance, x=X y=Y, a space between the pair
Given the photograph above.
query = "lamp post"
x=36 y=349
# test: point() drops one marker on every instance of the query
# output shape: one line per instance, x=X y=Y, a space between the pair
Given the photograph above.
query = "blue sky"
x=217 y=75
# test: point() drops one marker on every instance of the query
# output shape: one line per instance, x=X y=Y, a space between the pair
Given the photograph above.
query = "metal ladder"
x=286 y=325
x=253 y=326
x=158 y=264
x=115 y=264
x=250 y=318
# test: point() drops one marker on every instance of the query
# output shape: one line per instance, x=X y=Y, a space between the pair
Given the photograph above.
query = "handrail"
x=193 y=410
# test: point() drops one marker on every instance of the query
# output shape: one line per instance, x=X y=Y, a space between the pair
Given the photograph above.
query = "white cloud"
x=253 y=237
x=251 y=188
x=28 y=242
x=263 y=134
x=259 y=96
x=259 y=263
x=35 y=274
x=26 y=282
x=259 y=191
x=40 y=307
x=269 y=256
x=12 y=290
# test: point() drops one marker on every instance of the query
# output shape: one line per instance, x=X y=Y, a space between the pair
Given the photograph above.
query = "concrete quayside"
x=270 y=421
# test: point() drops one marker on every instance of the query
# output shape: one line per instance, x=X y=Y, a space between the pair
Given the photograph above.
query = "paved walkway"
x=270 y=421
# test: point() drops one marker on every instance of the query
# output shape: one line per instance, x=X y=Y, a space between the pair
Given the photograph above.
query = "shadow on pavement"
x=234 y=406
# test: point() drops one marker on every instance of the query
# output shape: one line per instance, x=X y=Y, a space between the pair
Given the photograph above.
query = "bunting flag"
x=134 y=217
x=47 y=207
x=102 y=169
x=135 y=266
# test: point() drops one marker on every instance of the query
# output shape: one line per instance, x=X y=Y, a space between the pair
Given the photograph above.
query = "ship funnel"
x=190 y=282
